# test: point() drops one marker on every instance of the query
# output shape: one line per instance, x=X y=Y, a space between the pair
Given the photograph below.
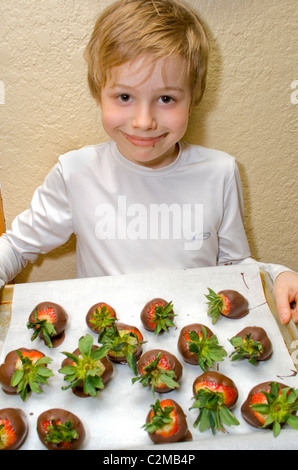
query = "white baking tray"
x=114 y=419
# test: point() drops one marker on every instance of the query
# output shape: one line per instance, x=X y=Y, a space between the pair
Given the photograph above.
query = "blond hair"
x=131 y=29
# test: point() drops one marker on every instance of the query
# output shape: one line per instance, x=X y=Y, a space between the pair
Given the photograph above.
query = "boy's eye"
x=166 y=99
x=124 y=97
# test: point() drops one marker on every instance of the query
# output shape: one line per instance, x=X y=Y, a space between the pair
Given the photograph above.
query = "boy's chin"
x=150 y=156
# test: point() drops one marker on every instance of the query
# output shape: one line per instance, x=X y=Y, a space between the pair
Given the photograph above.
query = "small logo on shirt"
x=155 y=222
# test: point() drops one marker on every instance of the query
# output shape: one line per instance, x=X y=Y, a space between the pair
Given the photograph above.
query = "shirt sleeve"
x=233 y=245
x=232 y=241
x=272 y=269
x=45 y=225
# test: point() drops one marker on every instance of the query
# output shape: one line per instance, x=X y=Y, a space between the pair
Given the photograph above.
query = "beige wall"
x=249 y=110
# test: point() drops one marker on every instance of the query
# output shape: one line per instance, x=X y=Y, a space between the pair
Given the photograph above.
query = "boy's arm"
x=274 y=270
x=285 y=289
x=233 y=248
x=45 y=225
x=11 y=263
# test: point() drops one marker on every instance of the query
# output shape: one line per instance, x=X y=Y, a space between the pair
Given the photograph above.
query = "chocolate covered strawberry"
x=86 y=369
x=228 y=303
x=215 y=395
x=13 y=428
x=157 y=315
x=24 y=370
x=166 y=422
x=160 y=370
x=59 y=429
x=251 y=343
x=123 y=343
x=48 y=321
x=271 y=405
x=100 y=316
x=199 y=346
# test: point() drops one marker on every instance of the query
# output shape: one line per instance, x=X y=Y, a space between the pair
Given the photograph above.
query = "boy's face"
x=145 y=109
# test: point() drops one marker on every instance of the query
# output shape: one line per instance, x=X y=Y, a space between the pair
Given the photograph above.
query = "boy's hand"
x=286 y=296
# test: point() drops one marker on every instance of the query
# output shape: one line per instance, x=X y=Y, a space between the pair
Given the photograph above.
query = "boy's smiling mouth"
x=143 y=141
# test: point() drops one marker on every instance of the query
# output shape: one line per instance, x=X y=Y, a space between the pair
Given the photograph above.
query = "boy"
x=145 y=200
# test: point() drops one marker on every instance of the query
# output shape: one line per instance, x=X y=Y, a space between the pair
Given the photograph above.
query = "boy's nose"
x=144 y=118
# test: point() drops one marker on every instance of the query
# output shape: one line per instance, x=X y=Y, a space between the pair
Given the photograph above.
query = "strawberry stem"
x=43 y=327
x=207 y=350
x=281 y=407
x=213 y=413
x=215 y=305
x=160 y=418
x=246 y=347
x=121 y=343
x=86 y=368
x=154 y=375
x=30 y=375
x=59 y=433
x=102 y=318
x=163 y=317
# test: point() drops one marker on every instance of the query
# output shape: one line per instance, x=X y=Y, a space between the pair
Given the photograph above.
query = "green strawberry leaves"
x=207 y=350
x=215 y=305
x=86 y=367
x=121 y=343
x=102 y=318
x=156 y=376
x=213 y=413
x=163 y=317
x=246 y=348
x=58 y=433
x=30 y=375
x=281 y=407
x=160 y=418
x=43 y=327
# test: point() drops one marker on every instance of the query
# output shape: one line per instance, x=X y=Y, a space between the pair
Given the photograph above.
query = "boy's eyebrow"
x=171 y=88
x=161 y=89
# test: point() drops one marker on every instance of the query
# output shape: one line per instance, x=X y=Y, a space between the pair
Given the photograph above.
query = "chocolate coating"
x=78 y=390
x=217 y=378
x=60 y=415
x=144 y=313
x=8 y=368
x=182 y=433
x=91 y=311
x=172 y=360
x=19 y=424
x=247 y=413
x=258 y=334
x=183 y=346
x=59 y=324
x=239 y=304
x=138 y=351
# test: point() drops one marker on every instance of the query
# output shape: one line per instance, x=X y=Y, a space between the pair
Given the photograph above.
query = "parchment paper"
x=114 y=419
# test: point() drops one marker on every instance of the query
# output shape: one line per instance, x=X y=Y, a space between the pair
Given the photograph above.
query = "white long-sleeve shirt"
x=130 y=218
